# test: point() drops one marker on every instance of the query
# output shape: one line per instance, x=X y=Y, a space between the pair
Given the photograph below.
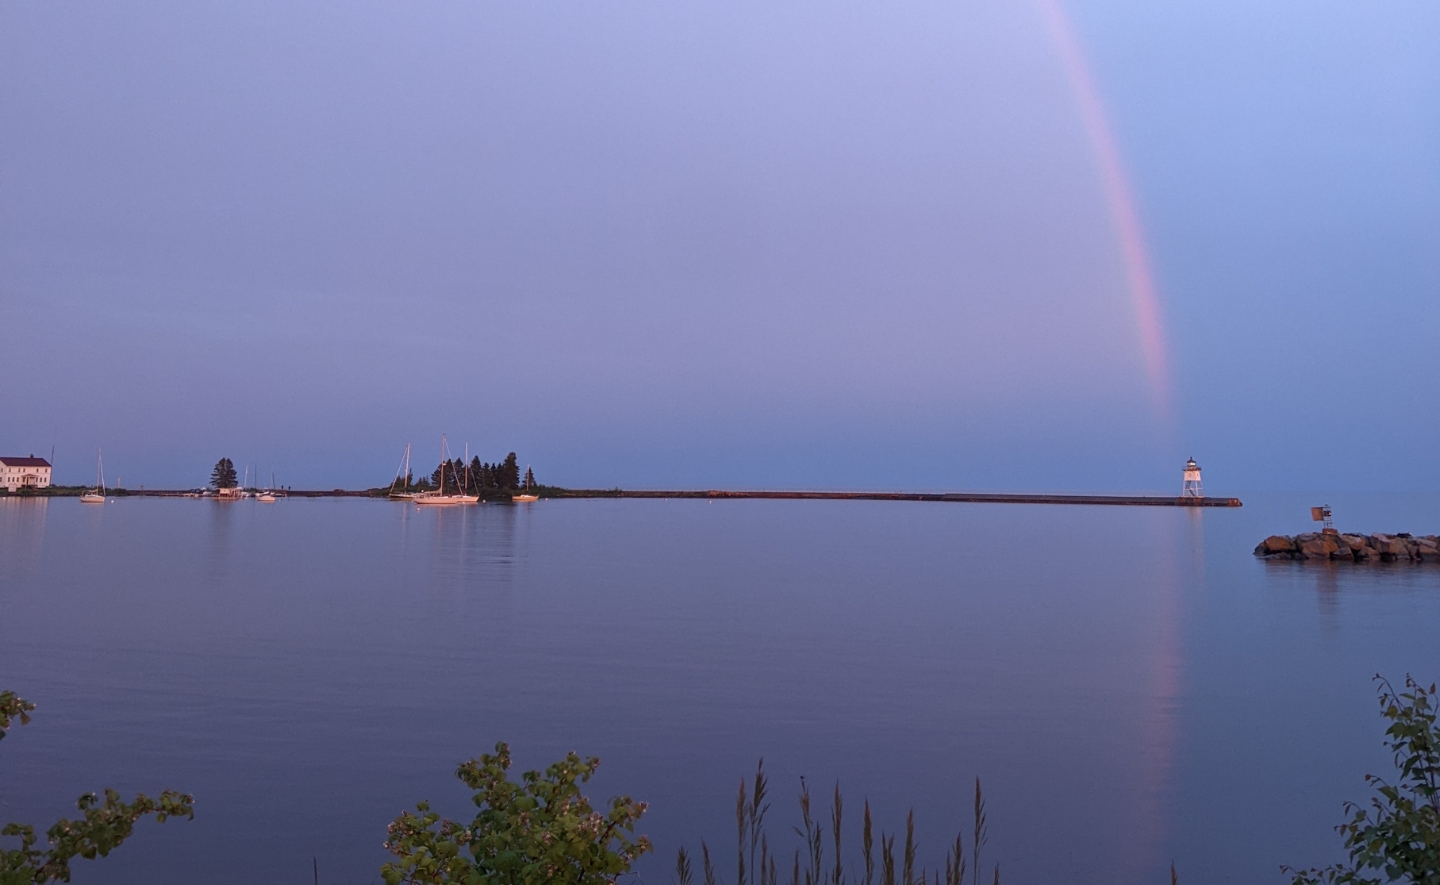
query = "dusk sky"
x=998 y=246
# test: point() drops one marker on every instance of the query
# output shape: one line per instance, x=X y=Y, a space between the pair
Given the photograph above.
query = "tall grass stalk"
x=982 y=831
x=867 y=846
x=955 y=862
x=909 y=874
x=706 y=865
x=682 y=867
x=757 y=864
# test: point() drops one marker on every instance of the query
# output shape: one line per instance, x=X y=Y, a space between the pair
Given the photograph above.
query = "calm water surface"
x=1131 y=686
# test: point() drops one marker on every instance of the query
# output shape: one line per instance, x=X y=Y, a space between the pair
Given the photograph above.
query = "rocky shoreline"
x=1401 y=547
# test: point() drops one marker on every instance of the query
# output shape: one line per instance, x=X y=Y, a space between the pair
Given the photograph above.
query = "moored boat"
x=399 y=487
x=437 y=498
x=440 y=496
x=270 y=495
x=97 y=494
x=528 y=494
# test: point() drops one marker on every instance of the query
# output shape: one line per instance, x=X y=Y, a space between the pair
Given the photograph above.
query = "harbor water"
x=1130 y=685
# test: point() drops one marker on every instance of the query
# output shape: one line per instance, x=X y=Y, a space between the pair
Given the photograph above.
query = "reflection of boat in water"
x=440 y=496
x=97 y=494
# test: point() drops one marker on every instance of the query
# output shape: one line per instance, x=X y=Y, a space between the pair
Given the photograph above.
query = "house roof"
x=32 y=461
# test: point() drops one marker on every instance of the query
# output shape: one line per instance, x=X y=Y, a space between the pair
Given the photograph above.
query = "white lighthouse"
x=1190 y=488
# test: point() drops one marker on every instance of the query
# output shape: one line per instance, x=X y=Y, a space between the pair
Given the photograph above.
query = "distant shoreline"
x=721 y=494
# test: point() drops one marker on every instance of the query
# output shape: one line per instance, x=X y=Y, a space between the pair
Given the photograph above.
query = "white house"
x=24 y=473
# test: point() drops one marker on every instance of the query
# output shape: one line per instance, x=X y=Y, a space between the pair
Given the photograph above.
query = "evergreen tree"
x=529 y=478
x=510 y=473
x=223 y=476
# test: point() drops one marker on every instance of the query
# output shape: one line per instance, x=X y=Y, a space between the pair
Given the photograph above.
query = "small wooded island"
x=1332 y=545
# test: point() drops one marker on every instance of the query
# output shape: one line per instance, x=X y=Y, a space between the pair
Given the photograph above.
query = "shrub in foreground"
x=541 y=830
x=104 y=825
x=1396 y=837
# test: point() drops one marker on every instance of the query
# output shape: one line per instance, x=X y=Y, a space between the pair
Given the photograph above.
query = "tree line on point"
x=450 y=477
x=476 y=478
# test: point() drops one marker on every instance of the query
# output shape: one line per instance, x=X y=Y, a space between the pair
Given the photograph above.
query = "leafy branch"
x=100 y=830
x=13 y=707
x=1396 y=837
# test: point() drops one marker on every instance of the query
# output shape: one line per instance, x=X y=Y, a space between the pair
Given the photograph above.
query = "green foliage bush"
x=100 y=830
x=541 y=830
x=1396 y=838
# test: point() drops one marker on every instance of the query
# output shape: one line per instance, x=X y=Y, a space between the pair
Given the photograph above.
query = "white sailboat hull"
x=446 y=499
x=97 y=494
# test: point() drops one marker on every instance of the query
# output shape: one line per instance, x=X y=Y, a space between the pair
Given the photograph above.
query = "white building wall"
x=13 y=477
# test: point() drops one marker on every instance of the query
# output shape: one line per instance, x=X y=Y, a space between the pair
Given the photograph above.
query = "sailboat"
x=97 y=494
x=268 y=496
x=402 y=479
x=438 y=496
x=529 y=493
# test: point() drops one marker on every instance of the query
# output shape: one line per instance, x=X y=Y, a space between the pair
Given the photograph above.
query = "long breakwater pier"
x=730 y=495
x=949 y=497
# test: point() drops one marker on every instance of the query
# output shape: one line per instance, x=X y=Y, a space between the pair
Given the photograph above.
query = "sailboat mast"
x=403 y=471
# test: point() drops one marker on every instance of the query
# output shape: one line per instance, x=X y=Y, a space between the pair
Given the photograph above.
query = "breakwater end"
x=1345 y=547
x=951 y=497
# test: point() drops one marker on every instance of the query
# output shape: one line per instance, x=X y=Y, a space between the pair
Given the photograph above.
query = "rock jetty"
x=1402 y=547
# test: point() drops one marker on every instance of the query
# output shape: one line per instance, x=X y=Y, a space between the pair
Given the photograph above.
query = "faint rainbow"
x=1144 y=298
